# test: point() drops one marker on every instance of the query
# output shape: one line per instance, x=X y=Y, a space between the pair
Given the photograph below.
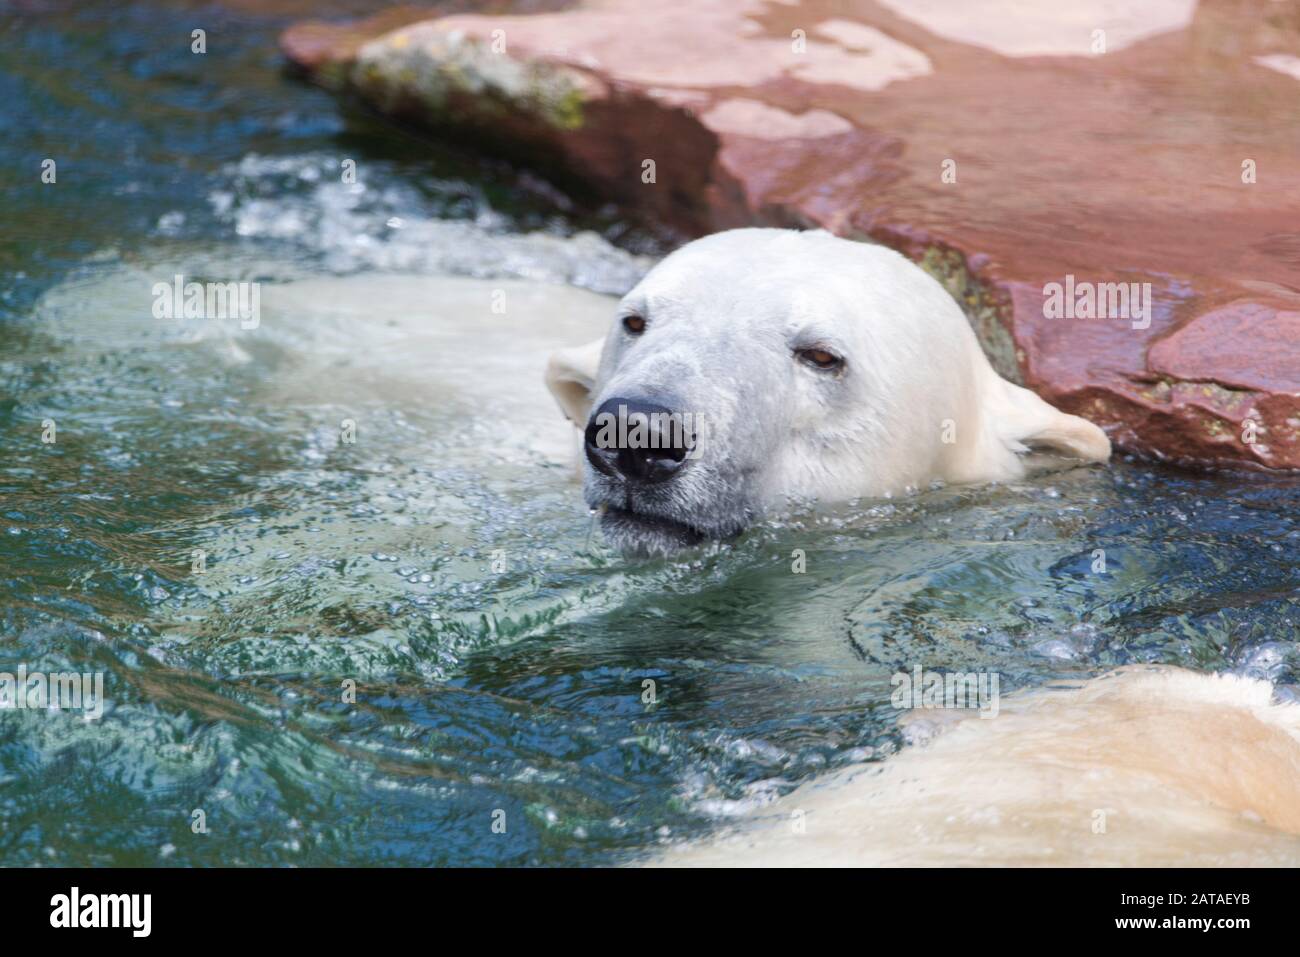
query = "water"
x=443 y=562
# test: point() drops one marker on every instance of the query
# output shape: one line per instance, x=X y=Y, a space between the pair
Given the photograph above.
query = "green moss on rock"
x=441 y=72
x=981 y=308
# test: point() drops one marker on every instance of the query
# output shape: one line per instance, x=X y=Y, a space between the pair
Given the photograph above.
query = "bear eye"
x=635 y=325
x=820 y=359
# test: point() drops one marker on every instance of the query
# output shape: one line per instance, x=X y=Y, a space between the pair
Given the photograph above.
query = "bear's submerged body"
x=1140 y=767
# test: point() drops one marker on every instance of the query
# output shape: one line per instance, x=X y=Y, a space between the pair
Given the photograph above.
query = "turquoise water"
x=500 y=652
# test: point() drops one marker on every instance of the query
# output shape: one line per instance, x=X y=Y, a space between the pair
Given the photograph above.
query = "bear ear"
x=1026 y=422
x=571 y=375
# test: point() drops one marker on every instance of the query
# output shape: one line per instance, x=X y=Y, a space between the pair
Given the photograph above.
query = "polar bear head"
x=756 y=367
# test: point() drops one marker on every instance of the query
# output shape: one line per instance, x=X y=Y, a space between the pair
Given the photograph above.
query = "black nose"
x=638 y=441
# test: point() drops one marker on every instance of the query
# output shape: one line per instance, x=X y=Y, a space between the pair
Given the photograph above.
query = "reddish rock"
x=1066 y=165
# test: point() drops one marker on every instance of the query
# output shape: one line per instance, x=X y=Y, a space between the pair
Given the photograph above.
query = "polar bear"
x=756 y=366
